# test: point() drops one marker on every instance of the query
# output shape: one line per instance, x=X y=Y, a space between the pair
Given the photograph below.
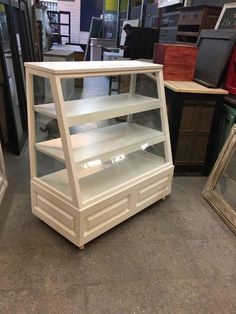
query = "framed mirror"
x=3 y=178
x=220 y=188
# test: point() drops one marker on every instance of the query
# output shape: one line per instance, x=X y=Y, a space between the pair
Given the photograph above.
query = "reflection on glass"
x=4 y=32
x=18 y=37
x=226 y=186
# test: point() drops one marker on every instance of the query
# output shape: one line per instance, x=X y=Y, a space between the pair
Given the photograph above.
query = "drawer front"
x=107 y=214
x=191 y=18
x=153 y=189
x=196 y=17
x=184 y=18
x=167 y=35
x=101 y=217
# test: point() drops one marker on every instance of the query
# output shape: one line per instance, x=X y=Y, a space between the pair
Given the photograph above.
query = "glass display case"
x=103 y=155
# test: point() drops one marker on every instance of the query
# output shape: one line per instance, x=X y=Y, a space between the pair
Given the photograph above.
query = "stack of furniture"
x=194 y=107
x=193 y=19
x=168 y=29
x=185 y=24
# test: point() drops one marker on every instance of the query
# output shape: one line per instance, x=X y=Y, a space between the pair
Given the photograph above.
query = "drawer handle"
x=195 y=15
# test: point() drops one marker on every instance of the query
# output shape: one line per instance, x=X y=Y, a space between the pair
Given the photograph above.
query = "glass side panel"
x=226 y=185
x=119 y=171
x=116 y=131
x=48 y=139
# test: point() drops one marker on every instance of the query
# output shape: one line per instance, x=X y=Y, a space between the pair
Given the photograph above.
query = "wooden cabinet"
x=178 y=60
x=193 y=19
x=168 y=30
x=97 y=171
x=227 y=118
x=193 y=119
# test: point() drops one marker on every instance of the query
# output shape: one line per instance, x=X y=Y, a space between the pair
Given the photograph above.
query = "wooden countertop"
x=193 y=87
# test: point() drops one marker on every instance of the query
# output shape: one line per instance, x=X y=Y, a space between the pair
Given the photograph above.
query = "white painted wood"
x=95 y=67
x=164 y=116
x=87 y=198
x=31 y=122
x=105 y=143
x=132 y=88
x=100 y=108
x=65 y=138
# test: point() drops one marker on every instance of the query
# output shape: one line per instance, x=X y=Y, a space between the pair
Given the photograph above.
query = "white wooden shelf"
x=104 y=143
x=132 y=167
x=100 y=108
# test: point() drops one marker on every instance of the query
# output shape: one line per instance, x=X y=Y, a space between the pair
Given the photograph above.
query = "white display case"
x=103 y=156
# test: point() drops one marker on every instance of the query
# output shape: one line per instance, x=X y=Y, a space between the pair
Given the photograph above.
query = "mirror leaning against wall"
x=220 y=187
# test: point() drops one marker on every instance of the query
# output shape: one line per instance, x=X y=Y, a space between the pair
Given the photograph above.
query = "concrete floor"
x=177 y=256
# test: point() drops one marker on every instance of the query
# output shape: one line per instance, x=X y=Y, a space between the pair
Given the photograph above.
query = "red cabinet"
x=230 y=83
x=178 y=60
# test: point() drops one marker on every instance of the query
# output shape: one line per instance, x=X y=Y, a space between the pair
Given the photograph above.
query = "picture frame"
x=213 y=45
x=227 y=18
x=219 y=190
x=3 y=177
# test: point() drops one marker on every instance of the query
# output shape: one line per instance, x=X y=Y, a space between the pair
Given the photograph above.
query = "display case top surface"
x=85 y=67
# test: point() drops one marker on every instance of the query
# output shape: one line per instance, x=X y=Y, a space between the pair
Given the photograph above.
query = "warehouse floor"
x=177 y=256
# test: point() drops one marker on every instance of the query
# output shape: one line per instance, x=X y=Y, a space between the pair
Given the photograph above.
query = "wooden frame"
x=16 y=140
x=207 y=71
x=215 y=190
x=3 y=177
x=222 y=16
x=69 y=201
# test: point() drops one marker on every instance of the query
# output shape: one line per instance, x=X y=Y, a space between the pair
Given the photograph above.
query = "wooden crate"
x=178 y=60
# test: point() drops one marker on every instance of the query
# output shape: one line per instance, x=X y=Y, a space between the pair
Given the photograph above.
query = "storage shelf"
x=113 y=177
x=100 y=108
x=105 y=143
